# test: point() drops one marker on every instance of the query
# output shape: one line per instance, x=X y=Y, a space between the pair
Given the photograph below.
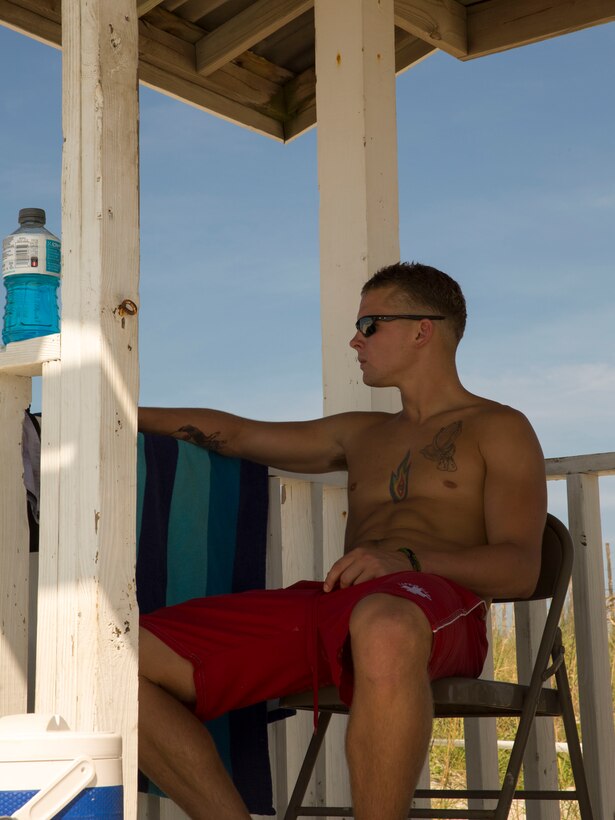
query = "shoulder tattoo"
x=201 y=439
x=442 y=448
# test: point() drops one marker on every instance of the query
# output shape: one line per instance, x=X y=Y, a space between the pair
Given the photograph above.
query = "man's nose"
x=357 y=340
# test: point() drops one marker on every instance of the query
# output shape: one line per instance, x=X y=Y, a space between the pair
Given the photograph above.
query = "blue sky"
x=507 y=182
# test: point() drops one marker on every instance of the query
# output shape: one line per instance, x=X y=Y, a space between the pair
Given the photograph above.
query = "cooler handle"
x=51 y=800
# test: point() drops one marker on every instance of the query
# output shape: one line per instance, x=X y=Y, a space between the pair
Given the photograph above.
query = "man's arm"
x=515 y=505
x=305 y=447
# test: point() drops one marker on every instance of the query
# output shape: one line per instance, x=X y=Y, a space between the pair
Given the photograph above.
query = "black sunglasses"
x=367 y=324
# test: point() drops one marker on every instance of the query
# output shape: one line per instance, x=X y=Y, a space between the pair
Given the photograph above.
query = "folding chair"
x=469 y=697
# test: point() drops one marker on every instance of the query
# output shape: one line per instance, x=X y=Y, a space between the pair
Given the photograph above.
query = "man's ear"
x=424 y=332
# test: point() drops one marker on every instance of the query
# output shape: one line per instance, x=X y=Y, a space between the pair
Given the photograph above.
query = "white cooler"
x=48 y=771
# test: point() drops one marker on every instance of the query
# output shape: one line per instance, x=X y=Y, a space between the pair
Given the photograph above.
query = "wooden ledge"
x=26 y=358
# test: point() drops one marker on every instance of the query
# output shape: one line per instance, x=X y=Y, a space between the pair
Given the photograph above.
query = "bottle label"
x=30 y=253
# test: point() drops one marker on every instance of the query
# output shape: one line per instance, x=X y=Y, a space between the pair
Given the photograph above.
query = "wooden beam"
x=441 y=23
x=40 y=19
x=499 y=25
x=147 y=5
x=95 y=681
x=181 y=89
x=245 y=30
x=15 y=397
x=357 y=176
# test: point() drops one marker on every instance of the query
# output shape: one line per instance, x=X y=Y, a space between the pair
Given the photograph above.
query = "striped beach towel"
x=202 y=530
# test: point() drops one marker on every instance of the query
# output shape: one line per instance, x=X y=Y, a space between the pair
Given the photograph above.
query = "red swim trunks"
x=253 y=646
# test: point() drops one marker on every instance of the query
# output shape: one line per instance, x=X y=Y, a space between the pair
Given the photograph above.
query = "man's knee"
x=162 y=666
x=389 y=636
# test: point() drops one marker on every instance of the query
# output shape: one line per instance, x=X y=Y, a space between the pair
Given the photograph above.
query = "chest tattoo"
x=398 y=484
x=442 y=448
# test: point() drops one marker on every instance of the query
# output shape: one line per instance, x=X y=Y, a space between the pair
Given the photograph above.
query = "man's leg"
x=391 y=715
x=175 y=749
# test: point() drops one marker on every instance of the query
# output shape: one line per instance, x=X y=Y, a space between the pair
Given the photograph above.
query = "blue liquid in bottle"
x=31 y=273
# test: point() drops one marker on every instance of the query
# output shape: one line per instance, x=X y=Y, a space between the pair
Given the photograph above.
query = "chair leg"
x=574 y=747
x=307 y=767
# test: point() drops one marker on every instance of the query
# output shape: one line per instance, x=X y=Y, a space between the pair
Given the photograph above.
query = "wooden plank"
x=96 y=658
x=244 y=30
x=441 y=23
x=48 y=570
x=481 y=742
x=588 y=591
x=186 y=91
x=336 y=778
x=143 y=6
x=195 y=9
x=39 y=19
x=411 y=53
x=292 y=556
x=15 y=397
x=357 y=176
x=594 y=464
x=540 y=759
x=499 y=25
x=26 y=358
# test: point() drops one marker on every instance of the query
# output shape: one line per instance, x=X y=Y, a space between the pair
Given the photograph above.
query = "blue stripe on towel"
x=222 y=524
x=187 y=531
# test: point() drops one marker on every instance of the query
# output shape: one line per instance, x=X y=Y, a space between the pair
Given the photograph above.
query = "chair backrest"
x=555 y=565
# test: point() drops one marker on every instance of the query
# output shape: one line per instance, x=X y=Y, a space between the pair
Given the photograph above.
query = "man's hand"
x=363 y=563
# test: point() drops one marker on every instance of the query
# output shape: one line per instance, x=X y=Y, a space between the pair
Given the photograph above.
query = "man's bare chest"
x=400 y=464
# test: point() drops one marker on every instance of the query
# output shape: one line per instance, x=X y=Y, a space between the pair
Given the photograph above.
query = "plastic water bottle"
x=31 y=272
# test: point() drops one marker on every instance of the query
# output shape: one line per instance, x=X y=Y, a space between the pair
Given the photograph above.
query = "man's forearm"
x=210 y=429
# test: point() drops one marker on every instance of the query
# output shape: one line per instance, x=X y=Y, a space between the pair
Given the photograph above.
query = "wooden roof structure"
x=252 y=61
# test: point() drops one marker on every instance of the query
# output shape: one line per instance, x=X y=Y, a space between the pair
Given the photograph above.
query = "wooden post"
x=481 y=743
x=540 y=759
x=357 y=177
x=90 y=586
x=15 y=394
x=595 y=697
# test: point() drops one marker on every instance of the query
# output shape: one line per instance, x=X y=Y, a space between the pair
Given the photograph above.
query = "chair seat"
x=453 y=697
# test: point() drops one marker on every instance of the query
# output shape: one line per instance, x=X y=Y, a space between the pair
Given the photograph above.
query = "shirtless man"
x=447 y=504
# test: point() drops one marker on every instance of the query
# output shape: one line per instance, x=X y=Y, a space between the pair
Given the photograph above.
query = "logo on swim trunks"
x=415 y=590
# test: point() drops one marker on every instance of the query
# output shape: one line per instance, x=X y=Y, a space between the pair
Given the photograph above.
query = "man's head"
x=423 y=288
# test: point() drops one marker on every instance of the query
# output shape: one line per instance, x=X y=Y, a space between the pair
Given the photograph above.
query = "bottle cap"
x=32 y=215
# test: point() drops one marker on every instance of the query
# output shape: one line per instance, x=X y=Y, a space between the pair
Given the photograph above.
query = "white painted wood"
x=244 y=30
x=481 y=742
x=424 y=782
x=94 y=574
x=292 y=557
x=15 y=397
x=47 y=607
x=337 y=782
x=357 y=177
x=588 y=584
x=441 y=23
x=26 y=358
x=540 y=759
x=595 y=463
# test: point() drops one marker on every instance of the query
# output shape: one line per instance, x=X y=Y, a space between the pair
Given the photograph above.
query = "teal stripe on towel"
x=188 y=526
x=141 y=478
x=222 y=525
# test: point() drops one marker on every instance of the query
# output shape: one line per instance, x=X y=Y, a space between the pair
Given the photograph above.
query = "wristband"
x=416 y=566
